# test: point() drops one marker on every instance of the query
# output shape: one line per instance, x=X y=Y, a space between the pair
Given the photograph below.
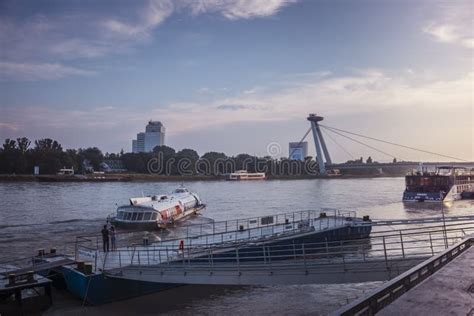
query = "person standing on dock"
x=105 y=238
x=112 y=238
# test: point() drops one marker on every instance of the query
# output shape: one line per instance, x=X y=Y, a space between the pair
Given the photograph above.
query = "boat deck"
x=219 y=237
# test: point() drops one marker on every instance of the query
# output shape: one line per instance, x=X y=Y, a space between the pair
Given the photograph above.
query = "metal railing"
x=262 y=256
x=398 y=286
x=225 y=232
x=37 y=260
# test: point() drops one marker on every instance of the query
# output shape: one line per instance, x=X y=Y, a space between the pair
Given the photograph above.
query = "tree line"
x=20 y=156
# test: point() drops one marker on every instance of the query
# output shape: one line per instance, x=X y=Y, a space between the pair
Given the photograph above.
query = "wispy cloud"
x=30 y=45
x=454 y=25
x=364 y=91
x=32 y=72
x=9 y=127
x=232 y=107
x=148 y=18
x=361 y=92
x=238 y=9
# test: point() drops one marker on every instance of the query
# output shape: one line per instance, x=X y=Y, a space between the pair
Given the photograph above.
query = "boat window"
x=146 y=216
x=120 y=215
x=134 y=217
x=266 y=220
x=155 y=216
x=140 y=217
x=128 y=216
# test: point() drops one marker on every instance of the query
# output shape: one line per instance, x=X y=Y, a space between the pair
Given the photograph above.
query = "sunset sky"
x=235 y=76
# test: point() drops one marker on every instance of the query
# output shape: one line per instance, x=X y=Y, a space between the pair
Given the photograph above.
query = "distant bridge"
x=397 y=168
x=325 y=163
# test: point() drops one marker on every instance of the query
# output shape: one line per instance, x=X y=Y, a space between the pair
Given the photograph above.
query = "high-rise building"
x=154 y=136
x=298 y=150
x=134 y=146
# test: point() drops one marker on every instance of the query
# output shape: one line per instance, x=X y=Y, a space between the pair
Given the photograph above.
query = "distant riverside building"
x=298 y=151
x=153 y=136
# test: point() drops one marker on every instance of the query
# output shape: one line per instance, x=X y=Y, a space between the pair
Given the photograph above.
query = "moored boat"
x=442 y=185
x=157 y=211
x=245 y=175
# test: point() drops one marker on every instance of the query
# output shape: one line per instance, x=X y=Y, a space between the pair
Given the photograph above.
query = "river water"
x=41 y=215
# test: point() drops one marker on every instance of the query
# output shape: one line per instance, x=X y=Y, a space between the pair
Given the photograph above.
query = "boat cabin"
x=136 y=214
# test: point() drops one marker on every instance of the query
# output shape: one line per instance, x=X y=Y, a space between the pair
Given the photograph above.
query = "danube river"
x=41 y=215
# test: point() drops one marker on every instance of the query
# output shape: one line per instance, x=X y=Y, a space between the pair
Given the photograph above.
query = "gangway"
x=244 y=251
x=372 y=259
x=234 y=233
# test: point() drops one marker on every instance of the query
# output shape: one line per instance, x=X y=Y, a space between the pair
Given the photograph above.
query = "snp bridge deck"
x=374 y=259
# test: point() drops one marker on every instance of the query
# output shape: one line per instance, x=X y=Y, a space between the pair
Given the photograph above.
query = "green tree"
x=136 y=162
x=22 y=160
x=93 y=154
x=185 y=161
x=167 y=151
x=9 y=144
x=23 y=144
x=9 y=156
x=47 y=144
x=47 y=155
x=216 y=162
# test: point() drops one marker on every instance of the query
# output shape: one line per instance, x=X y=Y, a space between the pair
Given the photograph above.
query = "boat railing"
x=237 y=230
x=397 y=246
x=271 y=220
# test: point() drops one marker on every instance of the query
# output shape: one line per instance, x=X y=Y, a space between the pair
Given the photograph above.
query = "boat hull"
x=292 y=245
x=98 y=289
x=422 y=197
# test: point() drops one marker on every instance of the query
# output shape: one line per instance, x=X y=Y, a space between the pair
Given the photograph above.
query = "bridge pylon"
x=322 y=152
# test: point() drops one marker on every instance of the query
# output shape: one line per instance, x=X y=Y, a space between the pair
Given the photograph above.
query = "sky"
x=241 y=76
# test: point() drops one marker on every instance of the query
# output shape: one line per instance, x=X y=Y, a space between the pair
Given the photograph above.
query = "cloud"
x=238 y=9
x=364 y=91
x=232 y=107
x=355 y=95
x=78 y=48
x=30 y=45
x=8 y=126
x=33 y=72
x=453 y=25
x=149 y=17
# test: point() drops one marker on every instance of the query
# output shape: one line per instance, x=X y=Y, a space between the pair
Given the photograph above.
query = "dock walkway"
x=441 y=285
x=450 y=291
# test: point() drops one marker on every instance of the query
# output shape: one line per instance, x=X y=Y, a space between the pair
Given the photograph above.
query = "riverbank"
x=126 y=177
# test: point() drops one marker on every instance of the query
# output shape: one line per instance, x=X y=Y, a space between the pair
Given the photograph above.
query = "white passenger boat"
x=157 y=211
x=244 y=175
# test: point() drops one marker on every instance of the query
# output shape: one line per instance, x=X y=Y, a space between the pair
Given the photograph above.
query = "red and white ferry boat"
x=157 y=211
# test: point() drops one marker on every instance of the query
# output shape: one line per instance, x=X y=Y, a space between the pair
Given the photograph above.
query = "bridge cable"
x=359 y=142
x=335 y=142
x=299 y=143
x=394 y=144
